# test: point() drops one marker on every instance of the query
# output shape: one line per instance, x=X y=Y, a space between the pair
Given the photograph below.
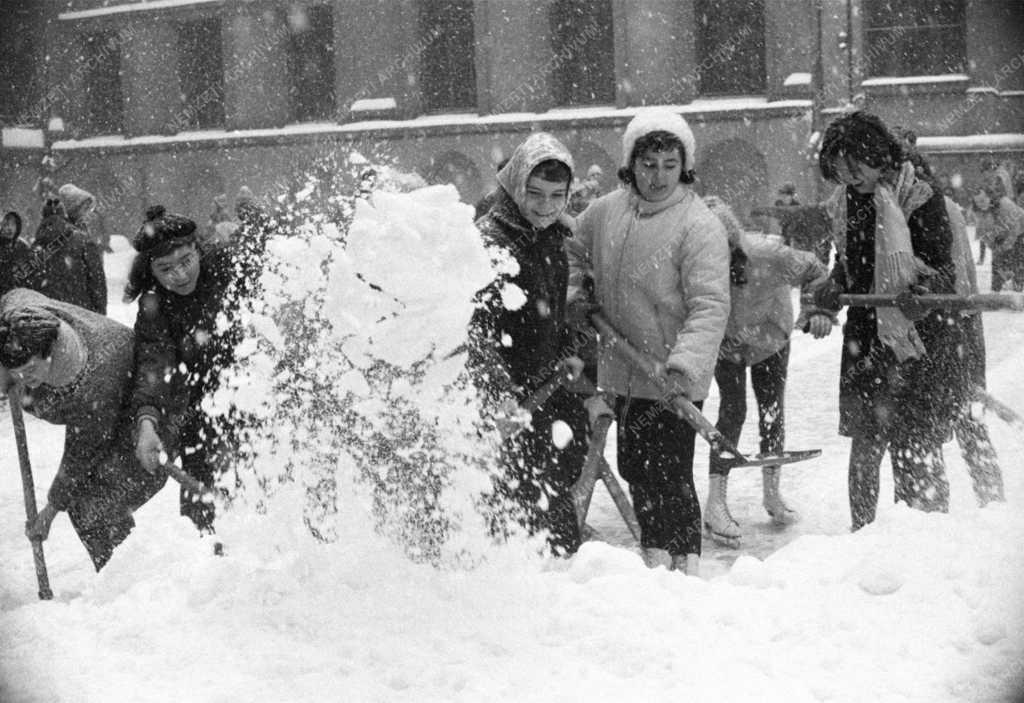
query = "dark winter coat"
x=181 y=348
x=15 y=256
x=520 y=349
x=99 y=481
x=66 y=266
x=877 y=394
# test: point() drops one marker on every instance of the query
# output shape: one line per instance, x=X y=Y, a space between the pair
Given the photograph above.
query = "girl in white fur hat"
x=660 y=264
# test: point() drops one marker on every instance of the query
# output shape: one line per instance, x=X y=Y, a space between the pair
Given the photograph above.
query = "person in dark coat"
x=971 y=432
x=902 y=381
x=14 y=253
x=76 y=367
x=65 y=266
x=80 y=207
x=181 y=348
x=514 y=350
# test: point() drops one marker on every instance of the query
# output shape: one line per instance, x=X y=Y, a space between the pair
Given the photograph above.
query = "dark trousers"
x=980 y=457
x=918 y=470
x=655 y=455
x=208 y=447
x=769 y=380
x=539 y=475
x=101 y=511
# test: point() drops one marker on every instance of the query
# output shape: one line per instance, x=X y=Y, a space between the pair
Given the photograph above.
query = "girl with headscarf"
x=519 y=339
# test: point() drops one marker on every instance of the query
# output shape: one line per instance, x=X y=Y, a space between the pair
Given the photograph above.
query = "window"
x=448 y=61
x=201 y=72
x=103 y=99
x=583 y=44
x=911 y=38
x=730 y=47
x=311 y=63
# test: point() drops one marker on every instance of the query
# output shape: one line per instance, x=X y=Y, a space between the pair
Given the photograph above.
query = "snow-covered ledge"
x=972 y=143
x=941 y=83
x=131 y=7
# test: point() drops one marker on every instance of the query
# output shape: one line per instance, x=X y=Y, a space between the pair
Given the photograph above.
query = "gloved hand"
x=577 y=313
x=818 y=325
x=597 y=408
x=148 y=447
x=827 y=295
x=677 y=383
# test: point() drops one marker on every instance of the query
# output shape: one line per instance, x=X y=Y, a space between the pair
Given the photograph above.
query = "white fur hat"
x=659 y=120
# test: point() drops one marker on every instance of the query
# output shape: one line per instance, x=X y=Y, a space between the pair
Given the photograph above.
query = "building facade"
x=176 y=101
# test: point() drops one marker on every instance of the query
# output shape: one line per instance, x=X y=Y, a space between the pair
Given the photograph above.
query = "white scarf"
x=896 y=267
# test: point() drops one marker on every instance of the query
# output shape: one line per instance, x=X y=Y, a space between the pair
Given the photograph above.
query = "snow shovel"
x=728 y=454
x=917 y=306
x=193 y=485
x=1003 y=411
x=596 y=467
x=29 y=489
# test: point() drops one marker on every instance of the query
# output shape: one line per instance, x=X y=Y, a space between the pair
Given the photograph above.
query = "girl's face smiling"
x=858 y=175
x=657 y=174
x=178 y=271
x=545 y=201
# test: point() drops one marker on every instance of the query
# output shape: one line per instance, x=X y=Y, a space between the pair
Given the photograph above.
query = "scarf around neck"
x=896 y=267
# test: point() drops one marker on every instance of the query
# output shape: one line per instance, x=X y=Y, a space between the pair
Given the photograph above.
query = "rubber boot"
x=689 y=564
x=781 y=513
x=718 y=521
x=654 y=557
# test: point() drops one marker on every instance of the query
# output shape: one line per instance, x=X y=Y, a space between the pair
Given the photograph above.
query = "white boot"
x=781 y=513
x=718 y=521
x=654 y=557
x=689 y=564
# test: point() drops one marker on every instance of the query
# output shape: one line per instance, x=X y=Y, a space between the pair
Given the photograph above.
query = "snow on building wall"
x=177 y=100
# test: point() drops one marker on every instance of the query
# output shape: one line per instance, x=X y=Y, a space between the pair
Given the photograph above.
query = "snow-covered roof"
x=141 y=6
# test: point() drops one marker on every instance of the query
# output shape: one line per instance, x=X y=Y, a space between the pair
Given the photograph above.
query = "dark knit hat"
x=163 y=232
x=26 y=332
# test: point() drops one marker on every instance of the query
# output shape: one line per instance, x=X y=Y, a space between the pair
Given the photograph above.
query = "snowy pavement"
x=914 y=608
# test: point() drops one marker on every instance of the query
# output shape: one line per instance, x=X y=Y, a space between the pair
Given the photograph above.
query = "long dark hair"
x=859 y=136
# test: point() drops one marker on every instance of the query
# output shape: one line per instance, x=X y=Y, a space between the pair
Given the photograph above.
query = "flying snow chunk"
x=512 y=296
x=561 y=434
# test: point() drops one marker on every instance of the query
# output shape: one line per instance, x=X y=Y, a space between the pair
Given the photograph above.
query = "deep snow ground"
x=915 y=607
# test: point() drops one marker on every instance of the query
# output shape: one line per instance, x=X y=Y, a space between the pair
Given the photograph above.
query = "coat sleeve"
x=83 y=447
x=156 y=358
x=96 y=282
x=578 y=249
x=796 y=267
x=703 y=260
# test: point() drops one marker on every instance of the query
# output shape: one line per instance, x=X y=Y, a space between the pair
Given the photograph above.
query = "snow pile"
x=355 y=364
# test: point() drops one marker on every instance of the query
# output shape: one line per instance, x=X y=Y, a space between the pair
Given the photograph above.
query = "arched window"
x=583 y=52
x=912 y=38
x=730 y=47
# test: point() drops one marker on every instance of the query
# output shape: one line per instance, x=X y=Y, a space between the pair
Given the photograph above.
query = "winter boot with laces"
x=718 y=521
x=781 y=513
